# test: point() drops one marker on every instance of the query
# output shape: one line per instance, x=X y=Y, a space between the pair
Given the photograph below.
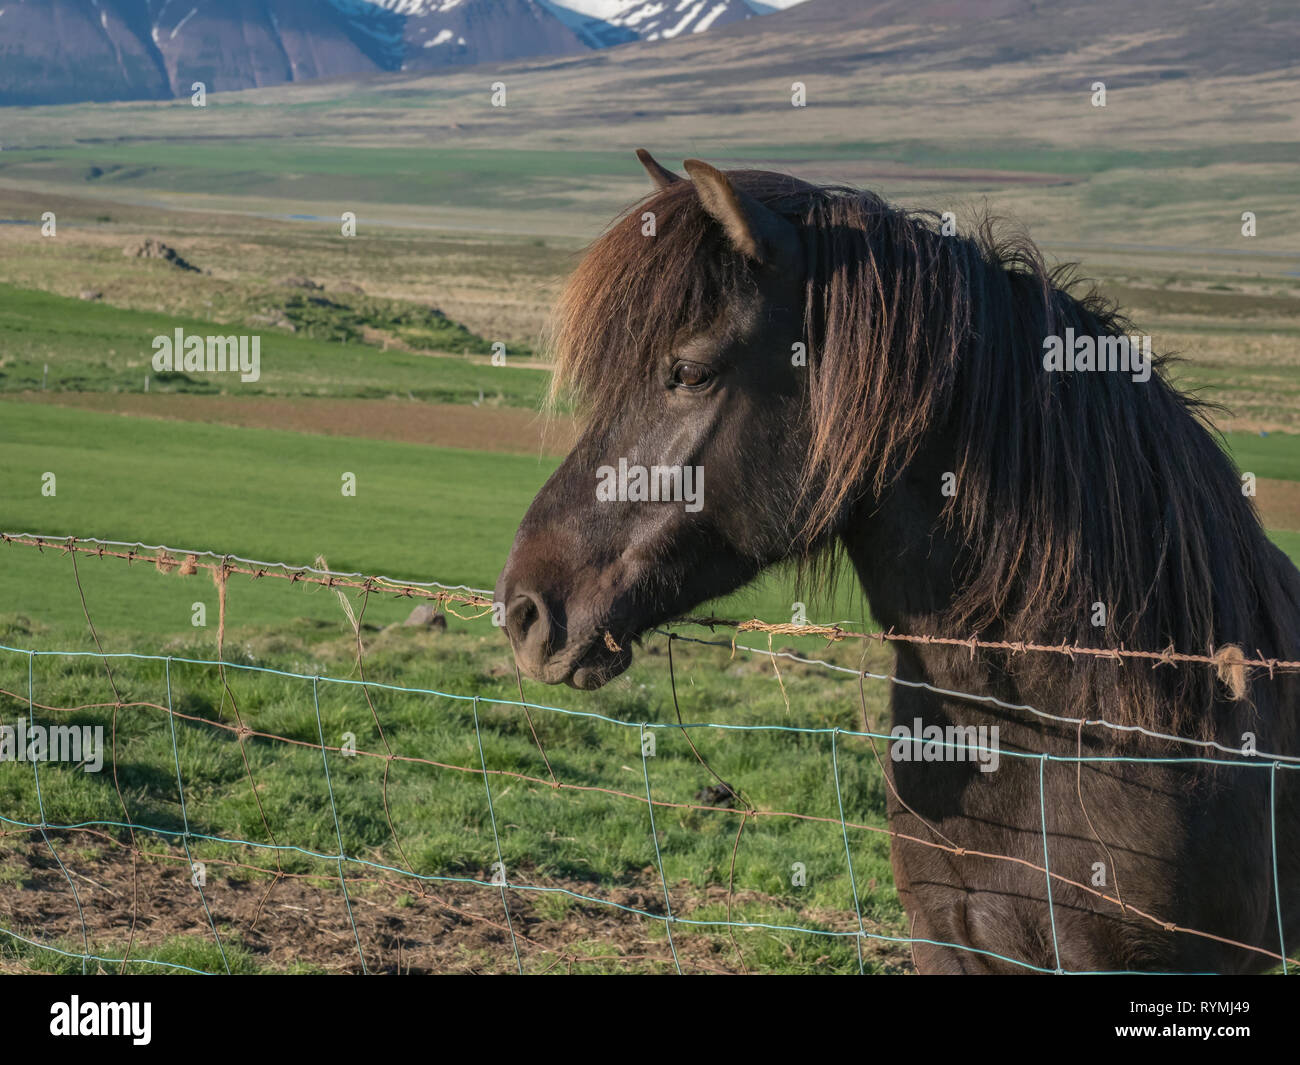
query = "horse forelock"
x=658 y=272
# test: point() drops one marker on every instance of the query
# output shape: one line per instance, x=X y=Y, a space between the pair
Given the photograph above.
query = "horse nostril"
x=527 y=620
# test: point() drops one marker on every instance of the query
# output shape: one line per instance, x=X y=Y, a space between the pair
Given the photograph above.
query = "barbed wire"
x=1223 y=658
x=1227 y=657
x=990 y=700
x=186 y=562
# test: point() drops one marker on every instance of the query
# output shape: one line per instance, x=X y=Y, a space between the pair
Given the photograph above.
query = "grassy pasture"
x=441 y=513
x=586 y=841
x=97 y=347
x=421 y=513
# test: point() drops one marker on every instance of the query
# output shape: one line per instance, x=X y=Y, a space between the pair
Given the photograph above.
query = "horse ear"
x=661 y=176
x=754 y=230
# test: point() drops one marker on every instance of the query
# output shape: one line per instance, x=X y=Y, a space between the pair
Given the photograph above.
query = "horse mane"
x=1072 y=488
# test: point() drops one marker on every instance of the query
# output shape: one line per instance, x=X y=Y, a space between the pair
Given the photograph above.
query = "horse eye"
x=690 y=374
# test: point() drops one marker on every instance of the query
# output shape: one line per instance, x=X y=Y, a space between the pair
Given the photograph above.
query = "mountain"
x=61 y=51
x=250 y=43
x=54 y=51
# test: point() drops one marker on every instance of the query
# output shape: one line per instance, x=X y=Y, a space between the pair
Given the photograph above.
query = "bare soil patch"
x=1278 y=503
x=510 y=429
x=403 y=926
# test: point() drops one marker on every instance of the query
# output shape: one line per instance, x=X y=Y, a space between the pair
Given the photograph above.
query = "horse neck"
x=900 y=549
x=907 y=561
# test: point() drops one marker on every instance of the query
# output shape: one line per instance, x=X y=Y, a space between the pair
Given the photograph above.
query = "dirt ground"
x=1278 y=503
x=403 y=927
x=512 y=429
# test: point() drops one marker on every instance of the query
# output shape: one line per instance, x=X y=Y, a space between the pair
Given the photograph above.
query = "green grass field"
x=465 y=176
x=420 y=513
x=322 y=171
x=103 y=348
x=588 y=841
x=426 y=513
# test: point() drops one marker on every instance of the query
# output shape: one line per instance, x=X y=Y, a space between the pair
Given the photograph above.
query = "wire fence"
x=357 y=869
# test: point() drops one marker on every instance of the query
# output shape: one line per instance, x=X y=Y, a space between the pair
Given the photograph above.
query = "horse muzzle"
x=556 y=645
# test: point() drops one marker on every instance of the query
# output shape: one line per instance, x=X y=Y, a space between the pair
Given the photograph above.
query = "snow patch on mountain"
x=605 y=22
x=417 y=8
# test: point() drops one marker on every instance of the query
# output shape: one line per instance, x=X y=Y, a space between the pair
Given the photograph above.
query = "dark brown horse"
x=852 y=379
